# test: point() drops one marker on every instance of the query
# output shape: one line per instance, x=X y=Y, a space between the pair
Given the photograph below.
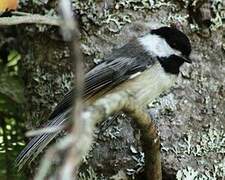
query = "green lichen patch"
x=113 y=16
x=218 y=8
x=208 y=149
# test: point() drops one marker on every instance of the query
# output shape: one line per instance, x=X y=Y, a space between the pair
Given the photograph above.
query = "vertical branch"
x=150 y=140
x=71 y=33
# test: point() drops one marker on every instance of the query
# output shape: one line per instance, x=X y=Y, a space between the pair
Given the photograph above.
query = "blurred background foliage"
x=11 y=114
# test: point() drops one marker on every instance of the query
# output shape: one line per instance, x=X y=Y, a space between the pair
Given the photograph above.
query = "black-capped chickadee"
x=154 y=58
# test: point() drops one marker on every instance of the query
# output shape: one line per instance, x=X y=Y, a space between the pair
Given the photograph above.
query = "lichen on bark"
x=190 y=117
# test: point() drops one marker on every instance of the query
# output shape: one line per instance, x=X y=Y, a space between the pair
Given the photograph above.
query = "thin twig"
x=37 y=132
x=20 y=13
x=71 y=32
x=30 y=19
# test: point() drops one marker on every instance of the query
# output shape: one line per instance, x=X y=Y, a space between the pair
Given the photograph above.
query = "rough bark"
x=190 y=117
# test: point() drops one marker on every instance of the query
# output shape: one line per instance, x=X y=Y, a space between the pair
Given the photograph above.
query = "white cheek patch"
x=156 y=46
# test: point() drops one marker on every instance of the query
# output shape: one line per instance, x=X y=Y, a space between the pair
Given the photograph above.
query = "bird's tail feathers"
x=38 y=143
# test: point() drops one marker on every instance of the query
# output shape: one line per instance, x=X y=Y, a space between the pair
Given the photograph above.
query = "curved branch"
x=96 y=113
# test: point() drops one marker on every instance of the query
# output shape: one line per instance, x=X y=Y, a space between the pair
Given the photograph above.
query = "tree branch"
x=30 y=19
x=100 y=110
x=71 y=33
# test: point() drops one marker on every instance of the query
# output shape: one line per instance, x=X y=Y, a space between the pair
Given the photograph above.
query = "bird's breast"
x=146 y=86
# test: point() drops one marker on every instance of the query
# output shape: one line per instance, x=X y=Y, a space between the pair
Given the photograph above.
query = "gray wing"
x=116 y=68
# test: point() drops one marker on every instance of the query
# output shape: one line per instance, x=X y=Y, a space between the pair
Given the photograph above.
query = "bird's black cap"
x=176 y=39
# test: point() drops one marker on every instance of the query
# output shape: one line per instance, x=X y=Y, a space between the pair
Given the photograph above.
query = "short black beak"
x=186 y=59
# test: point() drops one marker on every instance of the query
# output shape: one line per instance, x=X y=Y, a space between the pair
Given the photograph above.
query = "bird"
x=7 y=6
x=154 y=58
